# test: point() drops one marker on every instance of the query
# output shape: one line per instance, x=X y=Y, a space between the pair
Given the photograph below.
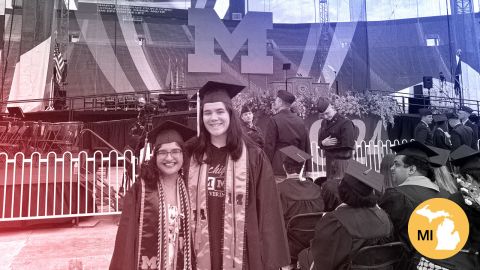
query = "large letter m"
x=209 y=27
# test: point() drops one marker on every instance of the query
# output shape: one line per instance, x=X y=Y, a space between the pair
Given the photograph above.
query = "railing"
x=67 y=185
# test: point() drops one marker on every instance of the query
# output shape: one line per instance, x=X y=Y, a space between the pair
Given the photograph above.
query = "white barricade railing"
x=56 y=186
x=369 y=153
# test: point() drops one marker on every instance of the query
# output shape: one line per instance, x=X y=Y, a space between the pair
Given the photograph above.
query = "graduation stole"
x=236 y=185
x=152 y=229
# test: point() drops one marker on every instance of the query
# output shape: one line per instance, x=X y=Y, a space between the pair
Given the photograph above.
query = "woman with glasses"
x=154 y=229
x=237 y=219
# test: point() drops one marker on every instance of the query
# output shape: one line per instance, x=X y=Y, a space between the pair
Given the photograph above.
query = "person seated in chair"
x=297 y=194
x=356 y=223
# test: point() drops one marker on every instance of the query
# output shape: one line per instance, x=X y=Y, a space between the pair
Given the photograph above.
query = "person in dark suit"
x=460 y=134
x=250 y=128
x=441 y=137
x=422 y=132
x=336 y=138
x=283 y=129
x=464 y=114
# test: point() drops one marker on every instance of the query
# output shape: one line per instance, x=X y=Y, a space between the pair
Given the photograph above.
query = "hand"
x=329 y=141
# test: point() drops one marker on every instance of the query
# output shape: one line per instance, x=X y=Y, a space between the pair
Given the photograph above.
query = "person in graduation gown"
x=415 y=183
x=464 y=113
x=422 y=132
x=459 y=134
x=283 y=129
x=297 y=194
x=356 y=223
x=468 y=161
x=154 y=228
x=250 y=128
x=441 y=137
x=238 y=222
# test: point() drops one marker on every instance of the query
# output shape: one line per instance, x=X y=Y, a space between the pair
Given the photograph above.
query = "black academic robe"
x=266 y=245
x=423 y=134
x=474 y=128
x=461 y=135
x=341 y=233
x=463 y=260
x=126 y=243
x=399 y=202
x=283 y=129
x=298 y=197
x=440 y=140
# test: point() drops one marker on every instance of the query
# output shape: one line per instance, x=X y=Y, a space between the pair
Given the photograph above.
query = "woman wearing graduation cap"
x=238 y=221
x=154 y=229
x=356 y=223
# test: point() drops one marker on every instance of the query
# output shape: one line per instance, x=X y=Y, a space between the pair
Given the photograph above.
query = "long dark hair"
x=235 y=137
x=149 y=171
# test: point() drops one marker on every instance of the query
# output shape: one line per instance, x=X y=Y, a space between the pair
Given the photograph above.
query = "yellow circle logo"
x=438 y=228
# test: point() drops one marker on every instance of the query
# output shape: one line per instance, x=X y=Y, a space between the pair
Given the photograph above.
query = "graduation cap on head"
x=437 y=118
x=414 y=148
x=465 y=157
x=440 y=159
x=295 y=153
x=219 y=92
x=363 y=179
x=170 y=131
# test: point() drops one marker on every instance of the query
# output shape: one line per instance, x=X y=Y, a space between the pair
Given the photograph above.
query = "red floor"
x=87 y=246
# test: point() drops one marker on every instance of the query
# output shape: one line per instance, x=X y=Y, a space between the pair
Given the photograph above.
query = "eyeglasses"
x=176 y=153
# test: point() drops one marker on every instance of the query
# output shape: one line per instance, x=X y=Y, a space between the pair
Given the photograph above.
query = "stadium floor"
x=65 y=246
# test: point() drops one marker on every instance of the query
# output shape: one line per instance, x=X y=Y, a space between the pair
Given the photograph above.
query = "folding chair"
x=380 y=257
x=300 y=231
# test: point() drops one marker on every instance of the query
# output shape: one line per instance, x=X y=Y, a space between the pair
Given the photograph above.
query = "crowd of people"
x=223 y=199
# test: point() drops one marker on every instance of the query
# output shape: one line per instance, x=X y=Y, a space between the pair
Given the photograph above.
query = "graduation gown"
x=399 y=202
x=440 y=140
x=474 y=128
x=423 y=134
x=254 y=134
x=341 y=233
x=461 y=135
x=266 y=242
x=283 y=129
x=463 y=260
x=299 y=197
x=344 y=131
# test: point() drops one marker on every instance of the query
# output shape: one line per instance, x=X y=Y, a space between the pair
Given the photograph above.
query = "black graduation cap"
x=170 y=131
x=219 y=92
x=414 y=148
x=437 y=118
x=357 y=172
x=465 y=157
x=440 y=159
x=295 y=153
